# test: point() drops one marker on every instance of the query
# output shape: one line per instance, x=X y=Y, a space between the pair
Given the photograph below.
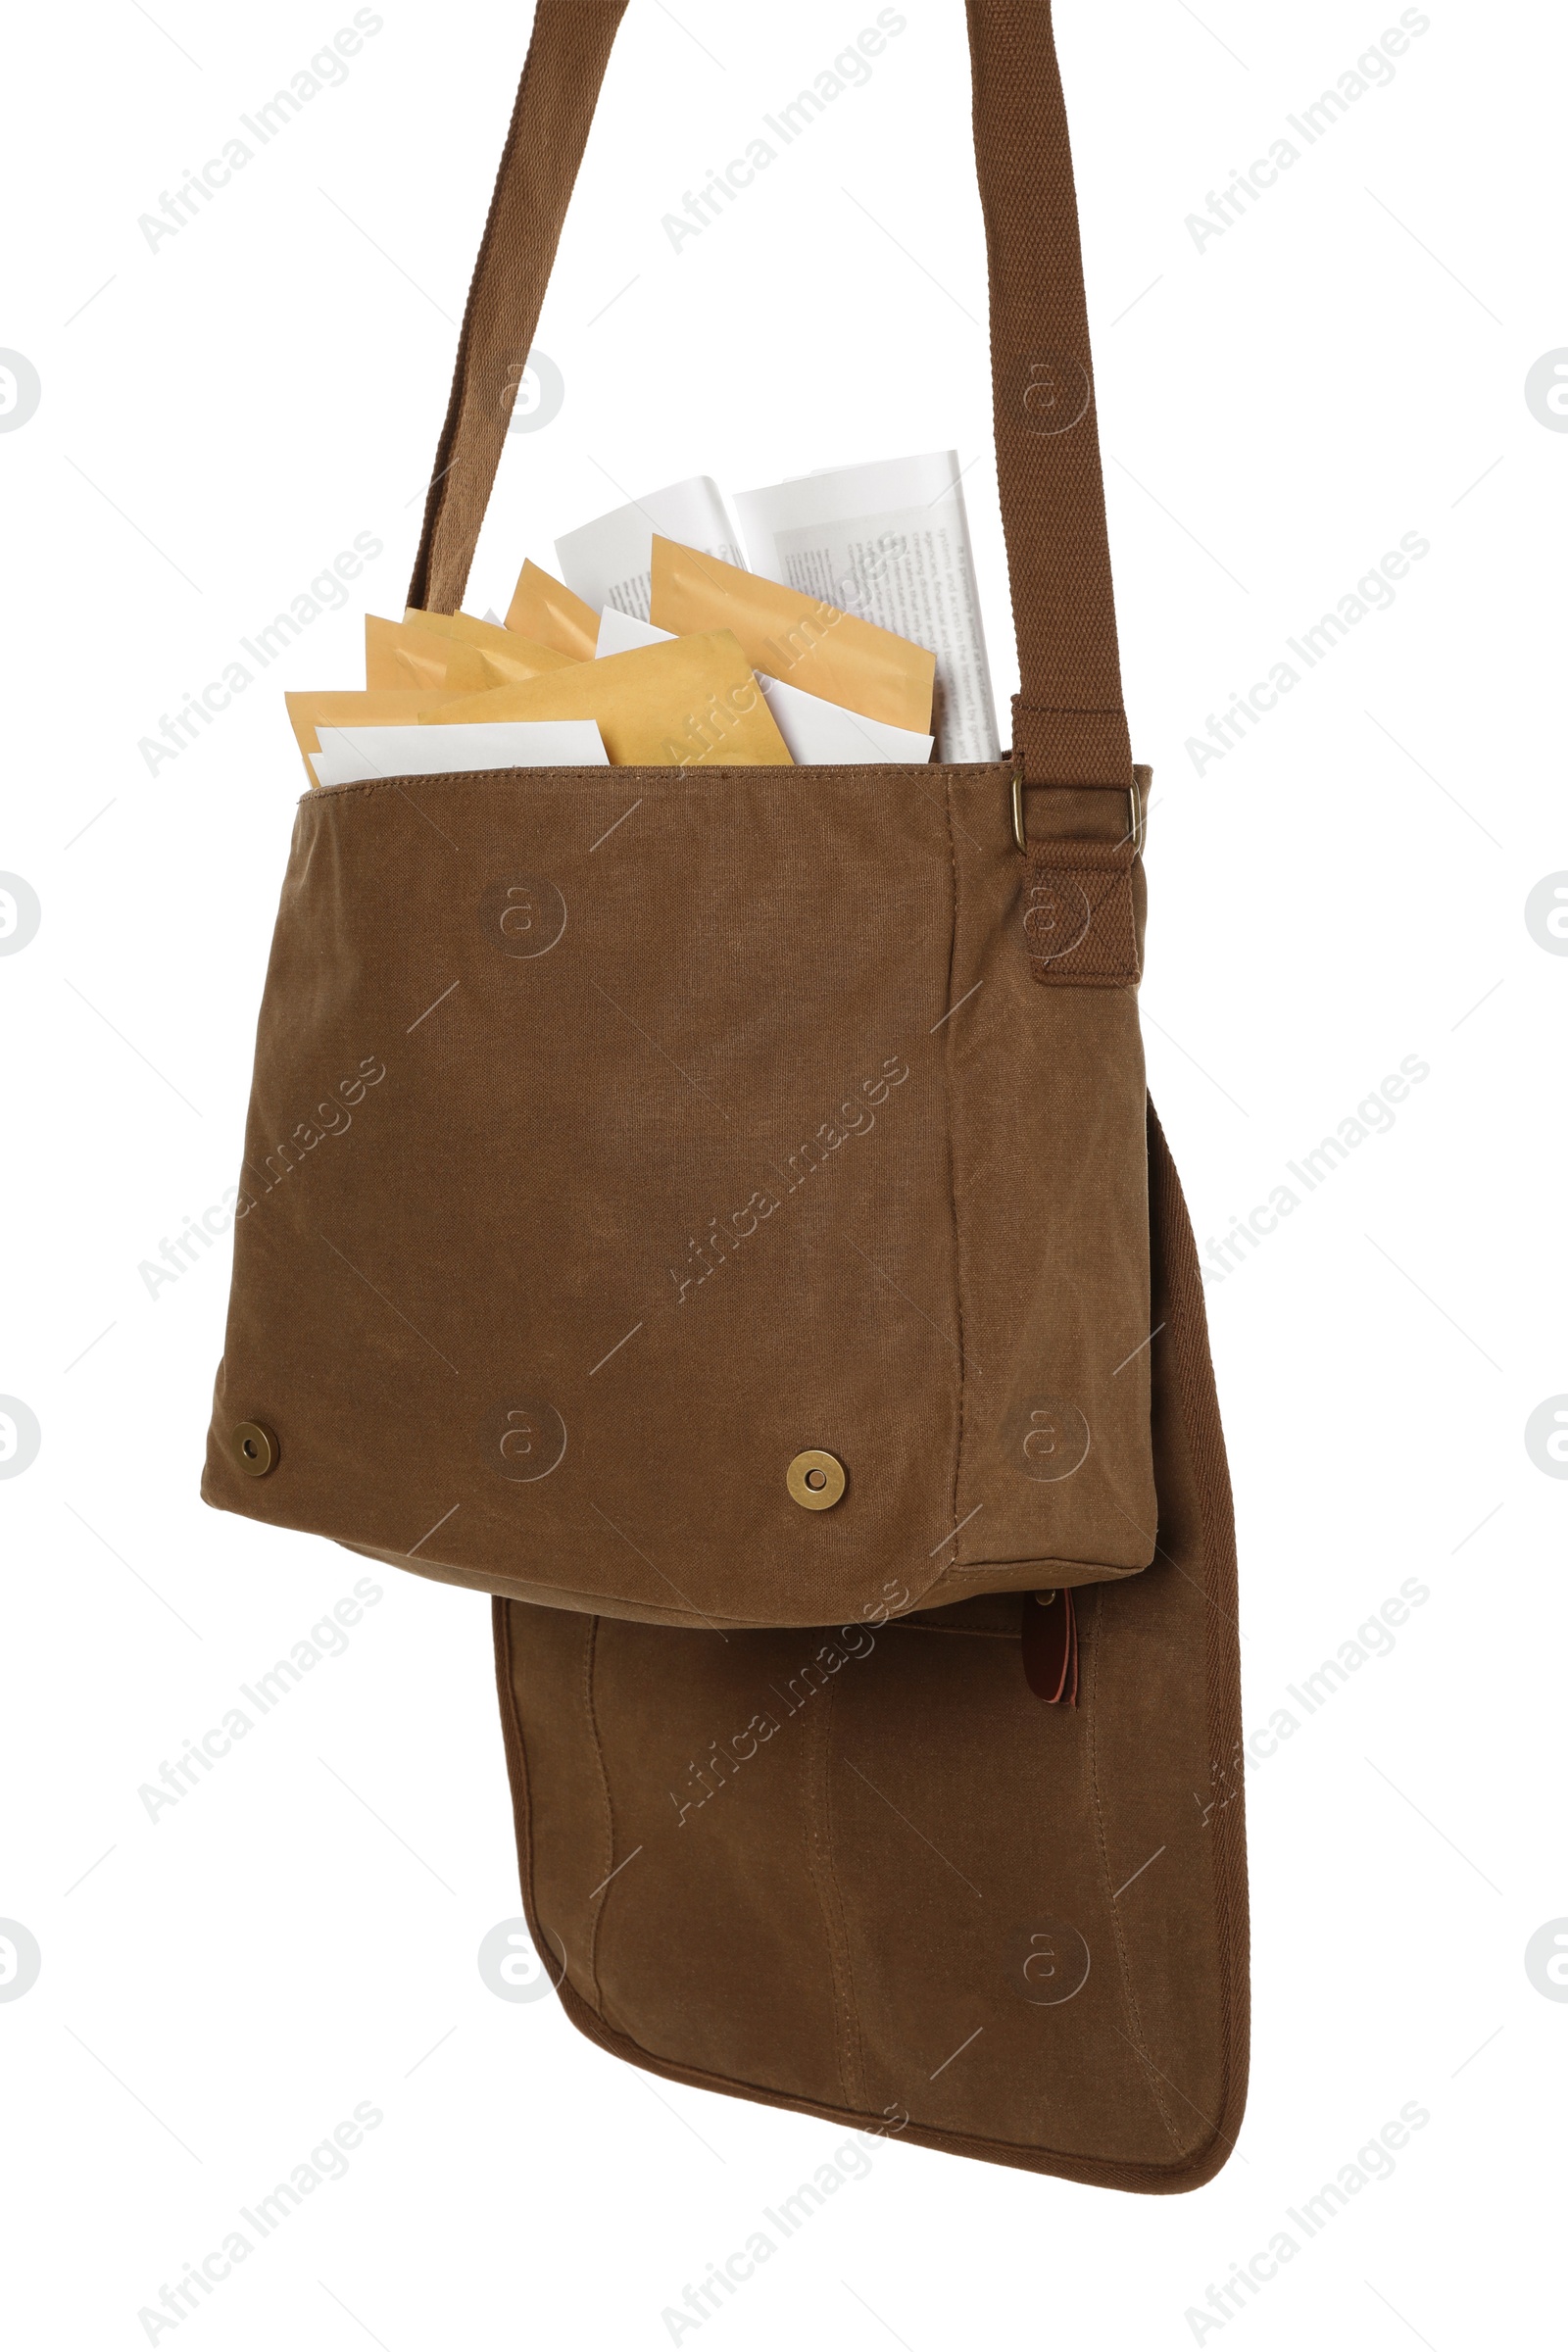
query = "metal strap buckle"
x=1135 y=830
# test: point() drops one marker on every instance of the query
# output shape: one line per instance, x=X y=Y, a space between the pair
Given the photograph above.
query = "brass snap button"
x=255 y=1449
x=815 y=1480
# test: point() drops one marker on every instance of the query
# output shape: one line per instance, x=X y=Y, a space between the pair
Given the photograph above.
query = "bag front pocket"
x=620 y=1138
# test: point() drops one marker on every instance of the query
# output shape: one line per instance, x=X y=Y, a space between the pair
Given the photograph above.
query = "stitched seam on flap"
x=1136 y=2040
x=817 y=1824
x=596 y=1913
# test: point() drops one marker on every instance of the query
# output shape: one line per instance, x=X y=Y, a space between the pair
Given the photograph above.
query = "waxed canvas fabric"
x=759 y=1095
x=618 y=1134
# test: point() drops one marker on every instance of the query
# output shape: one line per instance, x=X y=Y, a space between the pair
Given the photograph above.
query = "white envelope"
x=360 y=755
x=818 y=734
x=620 y=633
x=822 y=734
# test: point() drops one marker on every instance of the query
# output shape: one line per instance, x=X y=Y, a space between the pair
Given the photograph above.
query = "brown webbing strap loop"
x=1069 y=728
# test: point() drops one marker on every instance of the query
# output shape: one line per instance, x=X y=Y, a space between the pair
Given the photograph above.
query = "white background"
x=1344 y=365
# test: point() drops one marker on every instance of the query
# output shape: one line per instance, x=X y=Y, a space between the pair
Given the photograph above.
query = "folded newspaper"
x=852 y=636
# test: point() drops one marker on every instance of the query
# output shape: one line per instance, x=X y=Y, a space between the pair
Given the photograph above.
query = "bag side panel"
x=1050 y=1183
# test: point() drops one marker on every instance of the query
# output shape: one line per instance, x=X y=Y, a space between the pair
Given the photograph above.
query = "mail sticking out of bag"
x=851 y=638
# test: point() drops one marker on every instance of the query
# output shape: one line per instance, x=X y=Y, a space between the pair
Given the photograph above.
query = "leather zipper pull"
x=1051 y=1647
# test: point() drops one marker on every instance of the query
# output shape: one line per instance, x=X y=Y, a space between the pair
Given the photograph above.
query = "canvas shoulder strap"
x=1068 y=723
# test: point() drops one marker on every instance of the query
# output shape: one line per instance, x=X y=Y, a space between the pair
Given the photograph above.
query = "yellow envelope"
x=690 y=703
x=544 y=608
x=393 y=708
x=511 y=658
x=398 y=654
x=795 y=638
x=410 y=652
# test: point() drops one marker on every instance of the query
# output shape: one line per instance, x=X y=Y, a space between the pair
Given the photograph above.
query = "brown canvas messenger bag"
x=719 y=1214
